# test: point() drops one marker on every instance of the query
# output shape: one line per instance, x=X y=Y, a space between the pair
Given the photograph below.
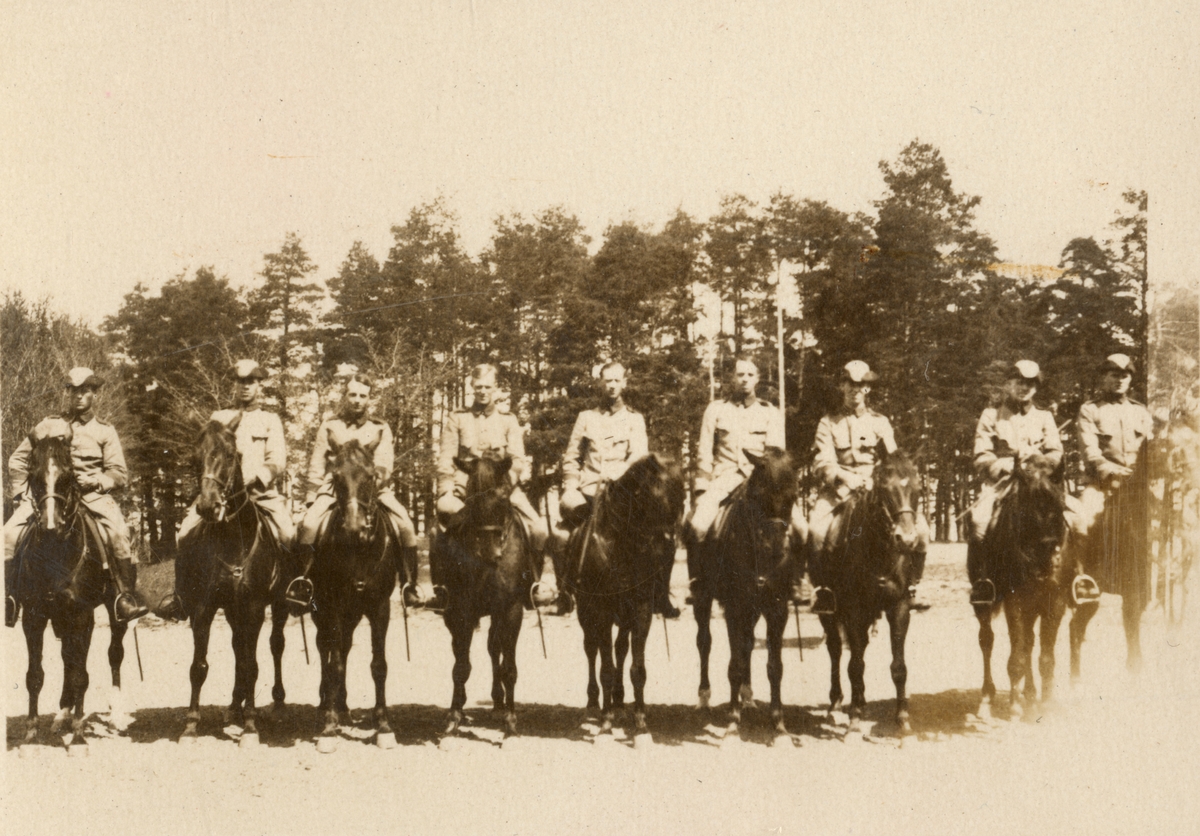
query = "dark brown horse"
x=487 y=564
x=354 y=574
x=1115 y=550
x=868 y=567
x=232 y=562
x=61 y=579
x=745 y=564
x=1022 y=557
x=622 y=552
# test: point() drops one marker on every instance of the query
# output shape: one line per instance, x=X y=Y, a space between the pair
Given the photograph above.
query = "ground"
x=1115 y=754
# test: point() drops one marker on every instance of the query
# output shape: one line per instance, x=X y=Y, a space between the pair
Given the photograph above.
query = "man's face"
x=485 y=390
x=612 y=381
x=745 y=378
x=1117 y=382
x=357 y=396
x=245 y=390
x=81 y=398
x=854 y=394
x=1020 y=390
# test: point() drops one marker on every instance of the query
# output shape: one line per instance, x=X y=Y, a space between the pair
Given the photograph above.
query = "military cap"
x=1117 y=363
x=1024 y=370
x=248 y=368
x=83 y=376
x=856 y=371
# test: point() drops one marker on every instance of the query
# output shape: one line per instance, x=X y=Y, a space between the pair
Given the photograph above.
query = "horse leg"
x=329 y=644
x=1018 y=655
x=1029 y=617
x=380 y=617
x=702 y=607
x=1052 y=616
x=279 y=617
x=590 y=648
x=737 y=623
x=987 y=641
x=898 y=618
x=1078 y=630
x=118 y=717
x=776 y=622
x=637 y=670
x=622 y=653
x=511 y=631
x=857 y=637
x=496 y=653
x=833 y=643
x=1131 y=615
x=34 y=625
x=350 y=621
x=249 y=665
x=462 y=630
x=77 y=639
x=607 y=672
x=201 y=628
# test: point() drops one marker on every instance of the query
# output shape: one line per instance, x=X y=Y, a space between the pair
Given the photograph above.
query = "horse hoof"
x=59 y=721
x=747 y=695
x=385 y=740
x=705 y=698
x=327 y=745
x=643 y=741
x=248 y=741
x=783 y=740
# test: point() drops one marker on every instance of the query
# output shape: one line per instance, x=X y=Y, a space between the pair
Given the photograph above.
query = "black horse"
x=745 y=564
x=354 y=573
x=61 y=579
x=233 y=562
x=868 y=566
x=1022 y=558
x=622 y=552
x=1115 y=550
x=486 y=562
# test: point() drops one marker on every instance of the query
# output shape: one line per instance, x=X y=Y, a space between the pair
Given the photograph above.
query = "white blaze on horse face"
x=51 y=479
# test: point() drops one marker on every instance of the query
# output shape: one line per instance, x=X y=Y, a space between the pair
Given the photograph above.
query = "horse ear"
x=467 y=463
x=754 y=459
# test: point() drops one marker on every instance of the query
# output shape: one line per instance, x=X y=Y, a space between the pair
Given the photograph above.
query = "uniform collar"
x=355 y=423
x=1018 y=408
x=481 y=410
x=1114 y=397
x=853 y=413
x=612 y=409
x=747 y=403
x=83 y=417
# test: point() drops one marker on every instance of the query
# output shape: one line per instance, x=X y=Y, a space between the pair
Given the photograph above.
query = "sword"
x=666 y=635
x=404 y=609
x=304 y=636
x=137 y=648
x=799 y=638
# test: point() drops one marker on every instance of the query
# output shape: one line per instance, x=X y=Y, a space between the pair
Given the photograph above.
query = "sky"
x=144 y=139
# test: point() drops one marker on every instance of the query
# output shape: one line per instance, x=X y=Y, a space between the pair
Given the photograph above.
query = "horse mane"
x=772 y=484
x=649 y=495
x=43 y=450
x=353 y=453
x=1030 y=524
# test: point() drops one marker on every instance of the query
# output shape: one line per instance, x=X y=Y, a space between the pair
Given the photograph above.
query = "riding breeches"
x=103 y=509
x=271 y=503
x=979 y=515
x=325 y=501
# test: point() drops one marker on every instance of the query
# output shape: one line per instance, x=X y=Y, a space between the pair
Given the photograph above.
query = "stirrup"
x=1085 y=590
x=11 y=610
x=824 y=601
x=132 y=610
x=533 y=593
x=417 y=593
x=983 y=593
x=299 y=593
x=171 y=607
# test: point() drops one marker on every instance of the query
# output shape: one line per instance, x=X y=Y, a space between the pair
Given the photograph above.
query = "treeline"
x=915 y=290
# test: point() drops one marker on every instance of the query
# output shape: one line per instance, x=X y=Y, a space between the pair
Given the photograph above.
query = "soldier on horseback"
x=263 y=449
x=352 y=423
x=99 y=465
x=729 y=429
x=1004 y=437
x=847 y=446
x=604 y=442
x=482 y=429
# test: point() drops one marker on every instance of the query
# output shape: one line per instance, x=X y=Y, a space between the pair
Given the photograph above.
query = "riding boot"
x=824 y=600
x=664 y=603
x=11 y=608
x=299 y=592
x=406 y=566
x=437 y=570
x=127 y=605
x=983 y=591
x=801 y=592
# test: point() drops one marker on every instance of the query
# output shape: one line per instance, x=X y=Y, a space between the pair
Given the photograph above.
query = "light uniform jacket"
x=261 y=442
x=845 y=443
x=603 y=444
x=1003 y=433
x=471 y=432
x=95 y=454
x=1111 y=432
x=333 y=434
x=728 y=431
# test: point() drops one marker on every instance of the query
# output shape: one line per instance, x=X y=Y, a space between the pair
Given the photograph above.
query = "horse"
x=745 y=564
x=868 y=567
x=622 y=551
x=61 y=579
x=1021 y=556
x=354 y=574
x=487 y=565
x=233 y=562
x=1115 y=551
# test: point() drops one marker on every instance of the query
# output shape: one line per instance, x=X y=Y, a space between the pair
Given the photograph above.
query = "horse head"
x=895 y=488
x=354 y=487
x=1039 y=512
x=51 y=474
x=219 y=464
x=487 y=510
x=772 y=488
x=652 y=489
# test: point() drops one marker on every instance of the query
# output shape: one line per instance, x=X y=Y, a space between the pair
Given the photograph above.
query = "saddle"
x=722 y=518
